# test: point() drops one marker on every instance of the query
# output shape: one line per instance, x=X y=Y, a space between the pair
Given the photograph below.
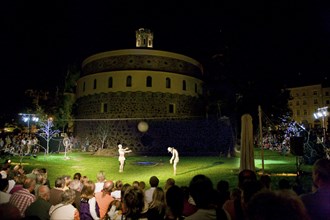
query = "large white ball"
x=143 y=126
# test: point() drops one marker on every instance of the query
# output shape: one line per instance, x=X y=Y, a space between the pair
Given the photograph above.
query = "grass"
x=216 y=168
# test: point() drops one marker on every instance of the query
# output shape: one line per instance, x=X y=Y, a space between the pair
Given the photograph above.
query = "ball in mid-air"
x=143 y=126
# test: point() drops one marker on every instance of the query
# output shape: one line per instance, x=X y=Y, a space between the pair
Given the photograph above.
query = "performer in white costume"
x=122 y=158
x=174 y=159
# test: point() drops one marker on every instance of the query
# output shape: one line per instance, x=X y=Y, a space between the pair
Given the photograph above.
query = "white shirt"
x=148 y=194
x=60 y=211
x=4 y=197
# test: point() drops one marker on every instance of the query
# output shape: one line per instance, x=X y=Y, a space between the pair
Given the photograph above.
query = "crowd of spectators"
x=30 y=196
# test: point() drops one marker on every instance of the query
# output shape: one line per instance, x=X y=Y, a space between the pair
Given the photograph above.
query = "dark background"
x=283 y=41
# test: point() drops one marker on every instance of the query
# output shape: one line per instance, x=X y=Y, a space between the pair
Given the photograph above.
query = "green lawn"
x=217 y=168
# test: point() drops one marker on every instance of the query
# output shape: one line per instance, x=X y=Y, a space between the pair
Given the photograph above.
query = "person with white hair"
x=174 y=159
x=122 y=158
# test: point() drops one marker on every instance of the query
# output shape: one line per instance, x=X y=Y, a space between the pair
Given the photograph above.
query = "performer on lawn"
x=174 y=159
x=122 y=158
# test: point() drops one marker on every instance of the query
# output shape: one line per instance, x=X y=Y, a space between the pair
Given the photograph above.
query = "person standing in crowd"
x=122 y=158
x=317 y=202
x=174 y=159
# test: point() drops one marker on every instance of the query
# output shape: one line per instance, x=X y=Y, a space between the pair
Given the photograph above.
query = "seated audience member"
x=234 y=206
x=4 y=196
x=19 y=181
x=284 y=184
x=142 y=185
x=136 y=184
x=40 y=207
x=18 y=170
x=317 y=203
x=266 y=181
x=65 y=209
x=136 y=206
x=116 y=193
x=174 y=198
x=104 y=198
x=9 y=212
x=274 y=205
x=223 y=192
x=24 y=197
x=204 y=195
x=89 y=208
x=189 y=208
x=76 y=186
x=67 y=181
x=157 y=206
x=100 y=179
x=117 y=206
x=44 y=172
x=169 y=182
x=77 y=178
x=153 y=182
x=56 y=191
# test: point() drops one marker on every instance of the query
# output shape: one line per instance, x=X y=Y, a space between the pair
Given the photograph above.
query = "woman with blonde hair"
x=157 y=206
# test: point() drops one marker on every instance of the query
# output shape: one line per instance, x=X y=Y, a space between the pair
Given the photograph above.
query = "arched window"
x=84 y=86
x=94 y=86
x=129 y=81
x=168 y=83
x=110 y=82
x=149 y=81
x=184 y=85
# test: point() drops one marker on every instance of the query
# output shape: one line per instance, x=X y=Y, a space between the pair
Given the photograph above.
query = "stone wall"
x=141 y=62
x=138 y=105
x=190 y=137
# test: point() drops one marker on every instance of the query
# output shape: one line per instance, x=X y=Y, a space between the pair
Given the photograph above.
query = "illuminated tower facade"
x=144 y=38
x=119 y=89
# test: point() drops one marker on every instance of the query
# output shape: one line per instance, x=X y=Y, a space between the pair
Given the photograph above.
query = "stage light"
x=26 y=117
x=322 y=113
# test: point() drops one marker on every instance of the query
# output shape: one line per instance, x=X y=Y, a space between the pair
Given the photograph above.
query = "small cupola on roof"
x=144 y=38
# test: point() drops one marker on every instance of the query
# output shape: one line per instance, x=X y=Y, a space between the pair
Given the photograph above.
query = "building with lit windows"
x=119 y=89
x=308 y=100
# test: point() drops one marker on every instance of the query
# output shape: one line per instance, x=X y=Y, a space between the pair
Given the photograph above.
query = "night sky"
x=287 y=41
